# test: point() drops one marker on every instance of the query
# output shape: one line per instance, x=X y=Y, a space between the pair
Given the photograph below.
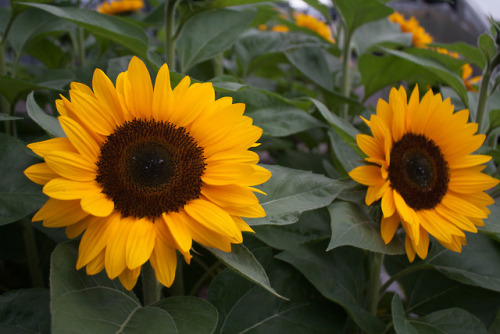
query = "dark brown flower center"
x=418 y=171
x=147 y=168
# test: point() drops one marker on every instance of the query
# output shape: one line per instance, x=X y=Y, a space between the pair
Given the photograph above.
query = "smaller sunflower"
x=467 y=78
x=280 y=28
x=421 y=167
x=120 y=6
x=312 y=23
x=420 y=37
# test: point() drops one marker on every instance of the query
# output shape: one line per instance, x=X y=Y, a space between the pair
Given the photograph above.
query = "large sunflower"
x=420 y=166
x=143 y=172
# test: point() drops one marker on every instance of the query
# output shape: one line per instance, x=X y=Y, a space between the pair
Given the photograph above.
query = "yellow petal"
x=213 y=218
x=55 y=144
x=164 y=262
x=459 y=205
x=176 y=223
x=96 y=265
x=114 y=260
x=258 y=176
x=226 y=173
x=388 y=205
x=106 y=93
x=129 y=277
x=468 y=181
x=139 y=89
x=95 y=238
x=229 y=195
x=388 y=227
x=370 y=146
x=56 y=213
x=89 y=110
x=74 y=230
x=422 y=248
x=140 y=243
x=410 y=252
x=368 y=175
x=71 y=166
x=469 y=161
x=80 y=138
x=408 y=215
x=40 y=173
x=68 y=189
x=97 y=204
x=163 y=98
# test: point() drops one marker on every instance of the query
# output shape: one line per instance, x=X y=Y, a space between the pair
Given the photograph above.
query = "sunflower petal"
x=140 y=243
x=164 y=262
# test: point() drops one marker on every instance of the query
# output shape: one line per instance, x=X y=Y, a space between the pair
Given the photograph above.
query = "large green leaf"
x=313 y=63
x=31 y=23
x=25 y=312
x=245 y=308
x=381 y=32
x=242 y=261
x=428 y=291
x=183 y=309
x=277 y=116
x=312 y=225
x=291 y=192
x=473 y=265
x=339 y=275
x=355 y=13
x=109 y=27
x=451 y=321
x=345 y=157
x=210 y=33
x=352 y=226
x=95 y=304
x=18 y=196
x=399 y=321
x=49 y=123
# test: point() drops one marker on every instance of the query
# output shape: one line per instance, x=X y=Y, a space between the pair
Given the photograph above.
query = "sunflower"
x=120 y=6
x=144 y=171
x=421 y=167
x=420 y=38
x=466 y=78
x=280 y=28
x=312 y=23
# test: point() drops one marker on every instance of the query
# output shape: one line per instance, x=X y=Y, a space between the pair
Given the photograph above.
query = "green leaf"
x=343 y=128
x=468 y=51
x=183 y=309
x=32 y=23
x=18 y=196
x=357 y=13
x=429 y=291
x=312 y=225
x=381 y=32
x=352 y=226
x=5 y=117
x=209 y=33
x=247 y=308
x=339 y=275
x=473 y=265
x=345 y=157
x=95 y=304
x=451 y=321
x=400 y=323
x=378 y=72
x=25 y=311
x=277 y=116
x=291 y=192
x=242 y=261
x=487 y=46
x=312 y=62
x=49 y=123
x=113 y=28
x=13 y=88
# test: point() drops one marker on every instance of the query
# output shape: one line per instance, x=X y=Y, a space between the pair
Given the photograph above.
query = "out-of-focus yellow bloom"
x=312 y=23
x=466 y=77
x=280 y=28
x=420 y=37
x=120 y=6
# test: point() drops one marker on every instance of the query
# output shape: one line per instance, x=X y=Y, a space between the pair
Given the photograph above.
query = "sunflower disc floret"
x=421 y=168
x=146 y=170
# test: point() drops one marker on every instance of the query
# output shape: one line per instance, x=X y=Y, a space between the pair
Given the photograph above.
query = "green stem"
x=483 y=92
x=403 y=273
x=209 y=273
x=4 y=103
x=218 y=68
x=170 y=33
x=377 y=260
x=151 y=288
x=32 y=255
x=346 y=71
x=177 y=288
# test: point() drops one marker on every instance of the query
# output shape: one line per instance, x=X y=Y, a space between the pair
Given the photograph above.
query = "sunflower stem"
x=170 y=33
x=483 y=96
x=151 y=288
x=402 y=273
x=218 y=68
x=177 y=288
x=346 y=71
x=4 y=103
x=376 y=262
x=32 y=255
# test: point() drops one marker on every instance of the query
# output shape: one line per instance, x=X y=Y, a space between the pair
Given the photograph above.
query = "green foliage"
x=311 y=265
